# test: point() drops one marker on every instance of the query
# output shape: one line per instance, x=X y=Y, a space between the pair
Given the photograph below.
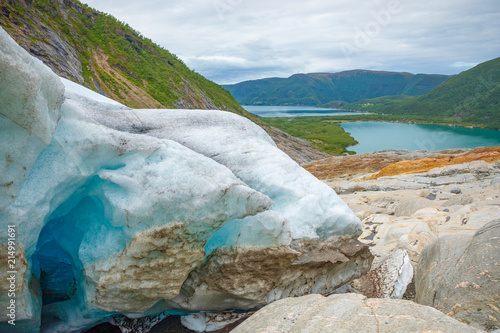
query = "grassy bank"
x=326 y=134
x=404 y=118
x=323 y=134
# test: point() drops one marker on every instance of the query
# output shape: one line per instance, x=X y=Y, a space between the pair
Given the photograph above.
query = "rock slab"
x=460 y=276
x=349 y=313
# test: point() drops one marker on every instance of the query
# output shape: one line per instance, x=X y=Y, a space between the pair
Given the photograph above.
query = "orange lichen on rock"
x=336 y=167
x=490 y=155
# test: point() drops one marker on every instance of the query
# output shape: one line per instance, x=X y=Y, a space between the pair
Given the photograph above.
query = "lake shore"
x=372 y=116
x=335 y=136
x=302 y=122
x=403 y=119
x=377 y=135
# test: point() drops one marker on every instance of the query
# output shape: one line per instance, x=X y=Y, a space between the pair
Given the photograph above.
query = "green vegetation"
x=333 y=104
x=471 y=98
x=397 y=118
x=320 y=131
x=331 y=90
x=326 y=134
x=378 y=105
x=109 y=56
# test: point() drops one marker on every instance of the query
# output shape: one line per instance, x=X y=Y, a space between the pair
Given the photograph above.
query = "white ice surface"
x=404 y=274
x=311 y=208
x=88 y=97
x=208 y=322
x=94 y=186
x=30 y=98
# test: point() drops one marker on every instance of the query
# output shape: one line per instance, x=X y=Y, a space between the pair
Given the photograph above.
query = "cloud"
x=461 y=64
x=233 y=40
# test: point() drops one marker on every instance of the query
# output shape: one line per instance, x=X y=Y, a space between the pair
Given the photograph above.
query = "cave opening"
x=57 y=255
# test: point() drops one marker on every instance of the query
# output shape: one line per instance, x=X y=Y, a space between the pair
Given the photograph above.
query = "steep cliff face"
x=109 y=57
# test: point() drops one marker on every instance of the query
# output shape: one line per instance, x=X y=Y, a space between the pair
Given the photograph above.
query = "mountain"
x=471 y=97
x=322 y=88
x=108 y=56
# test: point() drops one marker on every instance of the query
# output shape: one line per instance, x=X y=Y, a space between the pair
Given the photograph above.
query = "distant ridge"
x=321 y=88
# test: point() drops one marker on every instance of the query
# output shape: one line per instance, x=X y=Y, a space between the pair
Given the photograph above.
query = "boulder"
x=477 y=162
x=349 y=313
x=137 y=325
x=409 y=207
x=479 y=168
x=495 y=181
x=458 y=275
x=411 y=234
x=458 y=200
x=244 y=277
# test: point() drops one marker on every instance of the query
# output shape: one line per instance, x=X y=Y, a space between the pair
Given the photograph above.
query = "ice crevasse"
x=138 y=212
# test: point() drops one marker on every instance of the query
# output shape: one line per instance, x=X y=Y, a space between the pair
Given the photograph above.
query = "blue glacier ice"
x=118 y=210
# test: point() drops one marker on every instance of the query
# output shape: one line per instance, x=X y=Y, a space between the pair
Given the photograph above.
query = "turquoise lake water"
x=295 y=111
x=377 y=135
x=373 y=136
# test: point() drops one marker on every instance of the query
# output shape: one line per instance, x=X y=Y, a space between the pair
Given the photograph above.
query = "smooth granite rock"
x=460 y=276
x=409 y=207
x=347 y=313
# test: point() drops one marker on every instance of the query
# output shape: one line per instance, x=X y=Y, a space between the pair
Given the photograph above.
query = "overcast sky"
x=229 y=41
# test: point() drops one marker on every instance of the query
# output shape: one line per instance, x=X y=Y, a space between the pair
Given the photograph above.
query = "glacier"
x=138 y=212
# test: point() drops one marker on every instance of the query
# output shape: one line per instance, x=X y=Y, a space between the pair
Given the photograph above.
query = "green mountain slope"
x=471 y=97
x=323 y=88
x=108 y=56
